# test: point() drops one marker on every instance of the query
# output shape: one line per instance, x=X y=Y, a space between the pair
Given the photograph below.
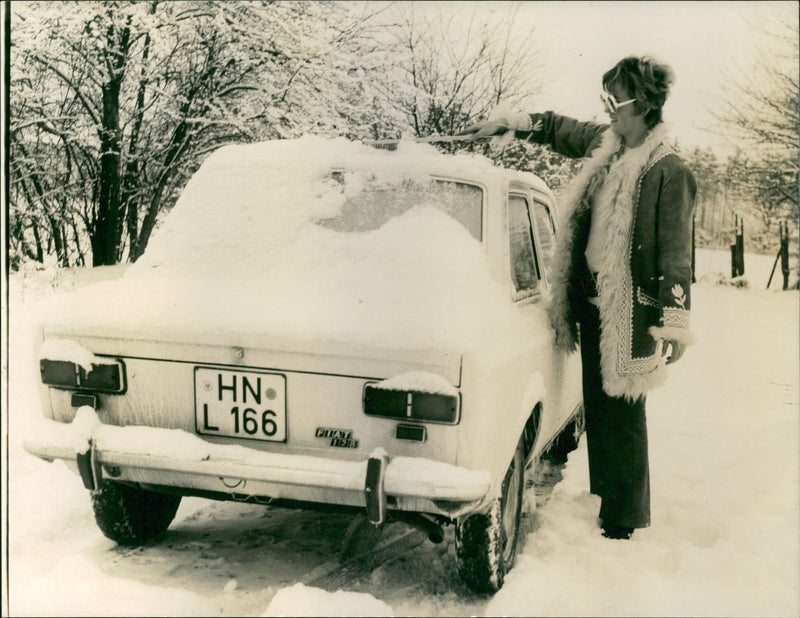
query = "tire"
x=486 y=543
x=132 y=516
x=567 y=439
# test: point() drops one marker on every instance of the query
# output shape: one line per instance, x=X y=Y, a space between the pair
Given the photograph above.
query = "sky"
x=706 y=43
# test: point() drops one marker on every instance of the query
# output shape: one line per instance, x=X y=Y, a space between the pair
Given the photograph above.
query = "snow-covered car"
x=319 y=322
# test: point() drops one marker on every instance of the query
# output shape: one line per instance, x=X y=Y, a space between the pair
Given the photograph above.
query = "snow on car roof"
x=241 y=252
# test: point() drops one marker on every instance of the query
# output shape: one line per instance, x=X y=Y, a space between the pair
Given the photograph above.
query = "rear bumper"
x=179 y=459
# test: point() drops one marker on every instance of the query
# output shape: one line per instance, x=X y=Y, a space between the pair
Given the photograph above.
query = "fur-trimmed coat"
x=646 y=205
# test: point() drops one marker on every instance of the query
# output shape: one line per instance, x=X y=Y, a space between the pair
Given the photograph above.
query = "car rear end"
x=267 y=420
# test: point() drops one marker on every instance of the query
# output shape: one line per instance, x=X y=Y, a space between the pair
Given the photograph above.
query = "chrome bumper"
x=177 y=458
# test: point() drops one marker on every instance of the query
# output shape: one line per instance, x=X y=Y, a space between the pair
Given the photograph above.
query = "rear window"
x=370 y=202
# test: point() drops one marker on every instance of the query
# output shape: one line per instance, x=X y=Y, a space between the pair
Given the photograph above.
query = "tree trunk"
x=133 y=167
x=38 y=239
x=76 y=241
x=107 y=233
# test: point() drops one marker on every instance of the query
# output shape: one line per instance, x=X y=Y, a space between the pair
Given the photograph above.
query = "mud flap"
x=373 y=489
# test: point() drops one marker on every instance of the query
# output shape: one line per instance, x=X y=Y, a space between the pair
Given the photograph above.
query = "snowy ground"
x=725 y=539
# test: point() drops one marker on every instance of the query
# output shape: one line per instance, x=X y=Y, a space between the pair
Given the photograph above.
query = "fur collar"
x=630 y=161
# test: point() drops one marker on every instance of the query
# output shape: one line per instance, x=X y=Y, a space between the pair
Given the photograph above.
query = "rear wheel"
x=486 y=543
x=133 y=516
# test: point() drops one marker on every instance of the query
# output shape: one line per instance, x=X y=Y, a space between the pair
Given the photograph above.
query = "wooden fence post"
x=785 y=253
x=783 y=256
x=733 y=251
x=737 y=248
x=694 y=249
x=740 y=245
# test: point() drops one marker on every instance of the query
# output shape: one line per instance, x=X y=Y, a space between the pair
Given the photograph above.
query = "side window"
x=545 y=232
x=520 y=240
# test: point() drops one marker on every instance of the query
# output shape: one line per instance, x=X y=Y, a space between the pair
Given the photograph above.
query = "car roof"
x=465 y=166
x=407 y=159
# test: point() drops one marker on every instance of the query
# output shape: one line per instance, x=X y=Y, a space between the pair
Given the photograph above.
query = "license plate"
x=240 y=404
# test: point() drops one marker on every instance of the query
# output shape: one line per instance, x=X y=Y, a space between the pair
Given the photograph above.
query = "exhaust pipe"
x=432 y=529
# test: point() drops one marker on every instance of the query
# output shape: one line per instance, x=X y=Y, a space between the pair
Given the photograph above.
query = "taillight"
x=105 y=377
x=411 y=405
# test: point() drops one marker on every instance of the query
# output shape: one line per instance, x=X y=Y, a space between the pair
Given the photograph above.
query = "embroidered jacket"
x=646 y=205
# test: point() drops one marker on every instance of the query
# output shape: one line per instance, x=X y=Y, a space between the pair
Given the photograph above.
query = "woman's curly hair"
x=644 y=79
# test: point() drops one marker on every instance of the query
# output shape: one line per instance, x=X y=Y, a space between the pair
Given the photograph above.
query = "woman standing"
x=621 y=272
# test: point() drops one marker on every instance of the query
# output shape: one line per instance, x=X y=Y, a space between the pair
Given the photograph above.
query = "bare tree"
x=115 y=104
x=449 y=67
x=48 y=173
x=760 y=111
x=453 y=68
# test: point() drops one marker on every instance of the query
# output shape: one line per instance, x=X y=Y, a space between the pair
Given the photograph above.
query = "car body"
x=319 y=322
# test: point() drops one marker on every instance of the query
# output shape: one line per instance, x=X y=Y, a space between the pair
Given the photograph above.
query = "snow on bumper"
x=175 y=457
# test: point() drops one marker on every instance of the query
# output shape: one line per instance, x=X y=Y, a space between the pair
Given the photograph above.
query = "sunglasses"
x=610 y=102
